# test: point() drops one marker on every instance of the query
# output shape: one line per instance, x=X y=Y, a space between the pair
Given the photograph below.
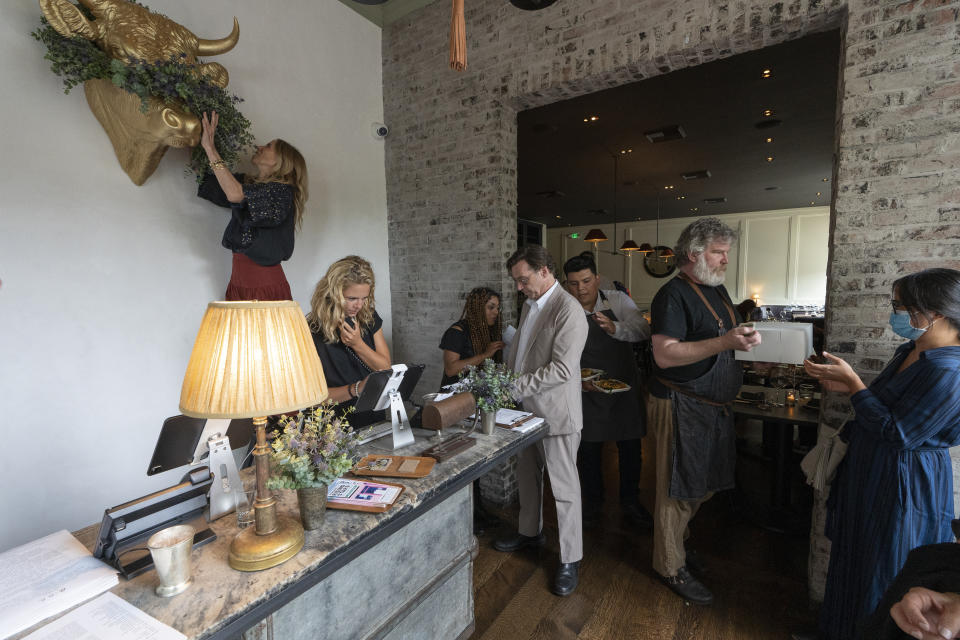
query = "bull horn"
x=216 y=47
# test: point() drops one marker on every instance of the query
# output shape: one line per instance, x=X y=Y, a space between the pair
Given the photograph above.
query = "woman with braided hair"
x=475 y=337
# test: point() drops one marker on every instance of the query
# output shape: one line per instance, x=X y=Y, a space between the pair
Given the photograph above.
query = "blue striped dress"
x=894 y=489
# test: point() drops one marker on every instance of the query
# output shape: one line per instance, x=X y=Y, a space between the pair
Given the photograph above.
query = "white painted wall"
x=780 y=255
x=104 y=283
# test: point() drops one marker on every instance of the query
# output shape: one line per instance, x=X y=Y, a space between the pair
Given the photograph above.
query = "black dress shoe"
x=568 y=575
x=687 y=587
x=637 y=515
x=519 y=541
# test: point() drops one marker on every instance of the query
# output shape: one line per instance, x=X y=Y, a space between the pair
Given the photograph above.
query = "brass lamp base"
x=250 y=552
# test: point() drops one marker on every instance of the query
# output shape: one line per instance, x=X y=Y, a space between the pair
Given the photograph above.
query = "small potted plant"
x=492 y=386
x=312 y=450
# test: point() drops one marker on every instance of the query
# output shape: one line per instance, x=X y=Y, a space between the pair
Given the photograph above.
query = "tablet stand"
x=402 y=434
x=386 y=390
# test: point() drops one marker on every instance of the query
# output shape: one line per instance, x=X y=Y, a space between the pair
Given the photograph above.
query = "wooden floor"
x=758 y=578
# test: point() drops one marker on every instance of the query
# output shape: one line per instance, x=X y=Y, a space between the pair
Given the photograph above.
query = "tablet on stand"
x=388 y=389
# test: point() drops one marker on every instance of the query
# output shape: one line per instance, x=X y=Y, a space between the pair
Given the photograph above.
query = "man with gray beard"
x=695 y=330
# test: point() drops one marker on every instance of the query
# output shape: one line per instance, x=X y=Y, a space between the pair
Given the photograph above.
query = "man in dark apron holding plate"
x=615 y=414
x=695 y=331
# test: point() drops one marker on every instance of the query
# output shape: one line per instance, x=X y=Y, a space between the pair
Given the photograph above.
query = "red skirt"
x=251 y=281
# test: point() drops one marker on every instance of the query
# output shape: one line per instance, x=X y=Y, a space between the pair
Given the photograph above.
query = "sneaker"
x=687 y=587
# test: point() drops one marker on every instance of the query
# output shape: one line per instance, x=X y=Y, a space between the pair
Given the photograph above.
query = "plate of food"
x=611 y=385
x=587 y=373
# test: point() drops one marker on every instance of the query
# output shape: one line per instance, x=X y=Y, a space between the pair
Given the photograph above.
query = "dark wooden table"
x=782 y=419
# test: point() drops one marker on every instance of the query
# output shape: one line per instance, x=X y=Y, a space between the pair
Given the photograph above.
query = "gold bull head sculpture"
x=126 y=30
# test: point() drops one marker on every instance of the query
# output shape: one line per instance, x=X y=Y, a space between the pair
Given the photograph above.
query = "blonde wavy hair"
x=292 y=170
x=326 y=305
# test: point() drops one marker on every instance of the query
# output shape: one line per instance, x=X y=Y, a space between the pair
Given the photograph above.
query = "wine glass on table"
x=779 y=379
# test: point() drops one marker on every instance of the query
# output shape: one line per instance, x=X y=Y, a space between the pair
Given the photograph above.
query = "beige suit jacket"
x=549 y=383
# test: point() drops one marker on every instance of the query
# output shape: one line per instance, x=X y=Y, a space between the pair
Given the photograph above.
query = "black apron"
x=611 y=416
x=704 y=438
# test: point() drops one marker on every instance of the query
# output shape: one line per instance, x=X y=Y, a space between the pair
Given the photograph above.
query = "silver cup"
x=171 y=549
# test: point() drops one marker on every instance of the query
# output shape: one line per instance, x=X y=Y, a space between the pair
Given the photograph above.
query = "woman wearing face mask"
x=893 y=491
x=347 y=333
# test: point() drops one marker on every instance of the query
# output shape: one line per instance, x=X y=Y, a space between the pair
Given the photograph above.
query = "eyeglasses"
x=896 y=305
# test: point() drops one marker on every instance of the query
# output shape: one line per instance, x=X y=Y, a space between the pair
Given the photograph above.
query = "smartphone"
x=350 y=322
x=749 y=325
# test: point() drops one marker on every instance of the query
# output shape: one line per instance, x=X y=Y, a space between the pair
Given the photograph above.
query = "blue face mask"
x=900 y=323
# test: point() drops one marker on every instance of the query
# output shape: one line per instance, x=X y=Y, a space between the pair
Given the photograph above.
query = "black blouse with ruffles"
x=262 y=226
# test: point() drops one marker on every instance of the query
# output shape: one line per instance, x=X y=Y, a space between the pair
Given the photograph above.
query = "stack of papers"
x=46 y=577
x=520 y=421
x=106 y=618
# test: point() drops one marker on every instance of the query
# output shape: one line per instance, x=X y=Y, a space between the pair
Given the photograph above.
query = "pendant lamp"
x=595 y=236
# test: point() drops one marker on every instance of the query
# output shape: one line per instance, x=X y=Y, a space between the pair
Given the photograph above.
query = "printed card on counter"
x=362 y=495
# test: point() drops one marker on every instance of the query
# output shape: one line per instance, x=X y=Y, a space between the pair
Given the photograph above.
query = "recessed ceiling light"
x=769 y=140
x=826 y=179
x=811 y=203
x=559 y=217
x=681 y=197
x=766 y=73
x=626 y=150
x=586 y=119
x=668 y=187
x=695 y=209
x=818 y=194
x=769 y=158
x=767 y=113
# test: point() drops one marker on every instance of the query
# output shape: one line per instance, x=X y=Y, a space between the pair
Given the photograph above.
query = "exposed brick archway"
x=451 y=155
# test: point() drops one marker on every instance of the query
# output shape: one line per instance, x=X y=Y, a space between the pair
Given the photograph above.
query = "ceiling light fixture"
x=769 y=158
x=629 y=246
x=767 y=113
x=595 y=236
x=766 y=73
x=769 y=140
x=826 y=179
x=666 y=134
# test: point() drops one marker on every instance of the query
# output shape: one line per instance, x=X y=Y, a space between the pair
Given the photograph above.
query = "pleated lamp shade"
x=595 y=235
x=252 y=359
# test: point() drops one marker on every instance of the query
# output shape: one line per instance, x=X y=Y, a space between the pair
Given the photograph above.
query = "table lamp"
x=252 y=360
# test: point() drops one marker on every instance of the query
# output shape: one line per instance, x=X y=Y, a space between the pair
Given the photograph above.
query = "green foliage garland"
x=174 y=82
x=313 y=449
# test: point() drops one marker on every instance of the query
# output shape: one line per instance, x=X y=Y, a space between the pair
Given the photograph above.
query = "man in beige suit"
x=546 y=353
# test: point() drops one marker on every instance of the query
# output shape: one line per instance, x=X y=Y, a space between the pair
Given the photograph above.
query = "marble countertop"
x=223 y=602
